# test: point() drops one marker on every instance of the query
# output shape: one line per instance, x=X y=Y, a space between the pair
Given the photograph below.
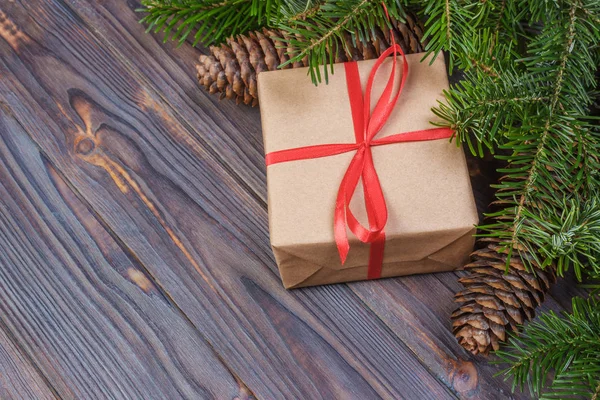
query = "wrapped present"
x=360 y=192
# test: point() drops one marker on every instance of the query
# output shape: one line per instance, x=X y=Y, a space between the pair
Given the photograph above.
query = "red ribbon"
x=366 y=126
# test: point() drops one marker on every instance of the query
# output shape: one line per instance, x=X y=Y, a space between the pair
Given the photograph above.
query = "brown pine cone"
x=232 y=67
x=495 y=300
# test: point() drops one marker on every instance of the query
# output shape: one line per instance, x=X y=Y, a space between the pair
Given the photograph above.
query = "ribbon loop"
x=371 y=124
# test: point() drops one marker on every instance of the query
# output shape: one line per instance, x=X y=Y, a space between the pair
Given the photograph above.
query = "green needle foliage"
x=567 y=235
x=209 y=21
x=212 y=21
x=528 y=84
x=316 y=28
x=526 y=94
x=323 y=34
x=564 y=349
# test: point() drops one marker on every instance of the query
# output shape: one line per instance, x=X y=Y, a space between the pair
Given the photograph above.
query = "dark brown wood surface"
x=19 y=379
x=134 y=253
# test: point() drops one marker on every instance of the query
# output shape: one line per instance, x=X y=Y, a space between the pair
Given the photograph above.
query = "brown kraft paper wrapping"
x=426 y=184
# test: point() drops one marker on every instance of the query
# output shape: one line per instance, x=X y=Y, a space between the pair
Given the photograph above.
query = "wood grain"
x=173 y=204
x=446 y=362
x=80 y=307
x=19 y=379
x=160 y=174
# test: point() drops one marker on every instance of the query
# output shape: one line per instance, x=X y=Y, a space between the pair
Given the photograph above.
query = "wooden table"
x=134 y=251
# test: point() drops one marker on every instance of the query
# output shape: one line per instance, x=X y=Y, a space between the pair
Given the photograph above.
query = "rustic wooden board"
x=116 y=22
x=81 y=307
x=174 y=181
x=19 y=379
x=171 y=65
x=179 y=213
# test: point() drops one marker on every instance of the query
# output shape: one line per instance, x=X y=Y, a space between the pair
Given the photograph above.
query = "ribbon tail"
x=339 y=229
x=376 y=257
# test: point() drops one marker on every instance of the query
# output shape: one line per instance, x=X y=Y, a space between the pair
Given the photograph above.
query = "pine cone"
x=232 y=68
x=494 y=300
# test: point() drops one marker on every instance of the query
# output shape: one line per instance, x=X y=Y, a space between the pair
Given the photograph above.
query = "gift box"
x=431 y=212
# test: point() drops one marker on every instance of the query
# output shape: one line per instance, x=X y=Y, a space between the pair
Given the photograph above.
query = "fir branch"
x=532 y=175
x=499 y=22
x=324 y=34
x=594 y=18
x=211 y=21
x=478 y=53
x=535 y=111
x=451 y=25
x=482 y=108
x=448 y=19
x=315 y=43
x=310 y=9
x=486 y=68
x=567 y=234
x=448 y=22
x=596 y=392
x=564 y=348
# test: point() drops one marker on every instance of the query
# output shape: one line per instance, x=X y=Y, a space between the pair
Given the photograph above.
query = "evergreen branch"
x=318 y=38
x=211 y=20
x=313 y=44
x=310 y=10
x=485 y=107
x=448 y=17
x=499 y=23
x=594 y=18
x=567 y=234
x=596 y=392
x=449 y=21
x=531 y=179
x=452 y=24
x=564 y=348
x=536 y=110
x=514 y=100
x=487 y=68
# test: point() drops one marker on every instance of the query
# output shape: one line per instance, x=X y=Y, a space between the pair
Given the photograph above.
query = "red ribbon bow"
x=366 y=127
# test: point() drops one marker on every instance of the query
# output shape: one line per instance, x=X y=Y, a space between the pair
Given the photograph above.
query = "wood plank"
x=81 y=307
x=231 y=132
x=169 y=200
x=237 y=136
x=417 y=309
x=18 y=377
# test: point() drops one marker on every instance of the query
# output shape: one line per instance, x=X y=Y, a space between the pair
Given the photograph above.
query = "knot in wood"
x=85 y=146
x=464 y=378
